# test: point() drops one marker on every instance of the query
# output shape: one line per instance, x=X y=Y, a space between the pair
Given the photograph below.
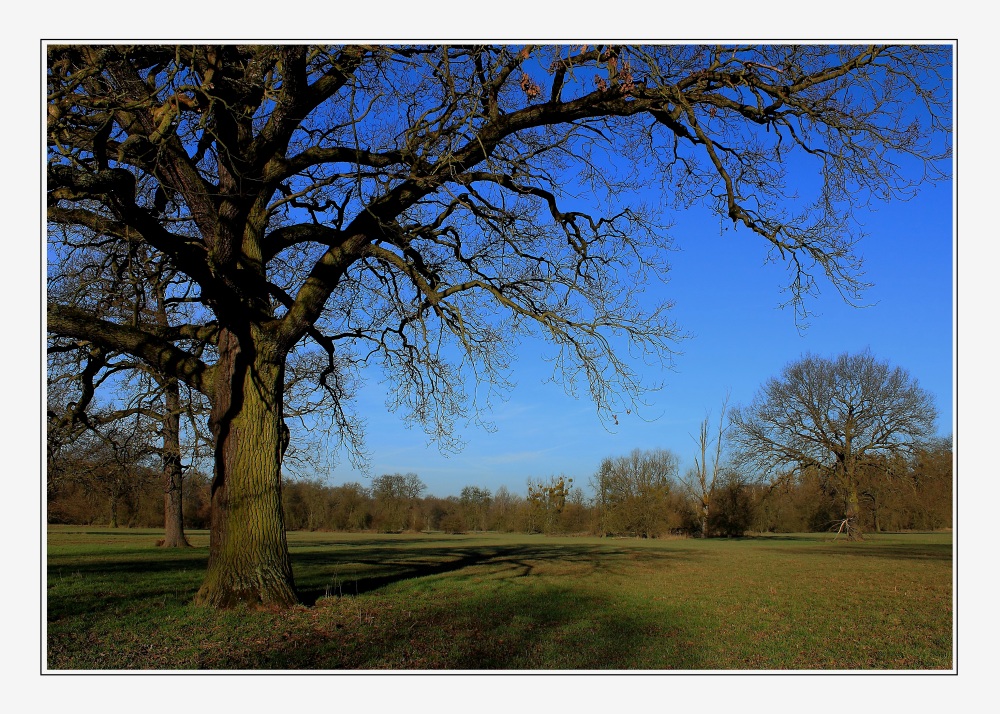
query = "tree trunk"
x=846 y=479
x=170 y=459
x=248 y=558
x=852 y=517
x=876 y=520
x=173 y=511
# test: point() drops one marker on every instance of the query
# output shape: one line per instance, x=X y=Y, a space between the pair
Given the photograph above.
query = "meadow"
x=511 y=602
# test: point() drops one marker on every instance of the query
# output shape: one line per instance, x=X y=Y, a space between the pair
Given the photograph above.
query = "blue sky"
x=728 y=300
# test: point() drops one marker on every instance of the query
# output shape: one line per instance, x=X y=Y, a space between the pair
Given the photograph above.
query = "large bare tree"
x=834 y=416
x=424 y=207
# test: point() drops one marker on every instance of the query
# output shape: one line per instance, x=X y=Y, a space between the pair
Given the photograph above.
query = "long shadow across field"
x=513 y=630
x=324 y=568
x=407 y=562
x=489 y=612
x=923 y=551
x=491 y=623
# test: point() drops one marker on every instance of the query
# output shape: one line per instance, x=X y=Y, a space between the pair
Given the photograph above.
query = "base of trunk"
x=269 y=592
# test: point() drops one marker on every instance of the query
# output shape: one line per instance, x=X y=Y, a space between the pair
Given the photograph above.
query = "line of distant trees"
x=832 y=443
x=638 y=495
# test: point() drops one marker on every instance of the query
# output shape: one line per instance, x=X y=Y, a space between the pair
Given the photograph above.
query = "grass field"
x=484 y=602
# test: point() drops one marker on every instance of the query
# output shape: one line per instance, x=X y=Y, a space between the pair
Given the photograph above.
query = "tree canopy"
x=424 y=207
x=833 y=415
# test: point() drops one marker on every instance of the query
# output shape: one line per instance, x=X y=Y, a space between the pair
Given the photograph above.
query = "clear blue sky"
x=728 y=300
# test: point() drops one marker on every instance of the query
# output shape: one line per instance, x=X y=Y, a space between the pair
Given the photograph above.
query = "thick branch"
x=71 y=322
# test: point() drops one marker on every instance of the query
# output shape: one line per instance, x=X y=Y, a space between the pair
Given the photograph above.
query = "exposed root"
x=847 y=526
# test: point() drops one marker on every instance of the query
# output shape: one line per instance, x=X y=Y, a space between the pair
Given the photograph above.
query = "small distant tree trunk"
x=704 y=519
x=170 y=458
x=876 y=521
x=173 y=508
x=248 y=559
x=853 y=513
x=845 y=475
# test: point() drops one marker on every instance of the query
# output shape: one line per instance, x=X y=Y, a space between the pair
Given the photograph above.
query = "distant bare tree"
x=546 y=501
x=111 y=462
x=633 y=493
x=833 y=415
x=476 y=502
x=396 y=497
x=504 y=509
x=100 y=386
x=701 y=480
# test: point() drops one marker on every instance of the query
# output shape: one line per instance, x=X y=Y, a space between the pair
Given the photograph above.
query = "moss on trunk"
x=248 y=558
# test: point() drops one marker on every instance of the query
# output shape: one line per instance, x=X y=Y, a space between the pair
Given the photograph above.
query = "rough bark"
x=248 y=558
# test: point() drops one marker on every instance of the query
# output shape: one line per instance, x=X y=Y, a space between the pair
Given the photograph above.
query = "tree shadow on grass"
x=401 y=563
x=928 y=551
x=409 y=541
x=500 y=628
x=482 y=607
x=84 y=588
x=322 y=573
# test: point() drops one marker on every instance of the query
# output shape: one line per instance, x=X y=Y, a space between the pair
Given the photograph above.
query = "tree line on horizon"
x=842 y=443
x=911 y=492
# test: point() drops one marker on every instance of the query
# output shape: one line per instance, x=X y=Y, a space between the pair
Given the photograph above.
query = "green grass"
x=115 y=601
